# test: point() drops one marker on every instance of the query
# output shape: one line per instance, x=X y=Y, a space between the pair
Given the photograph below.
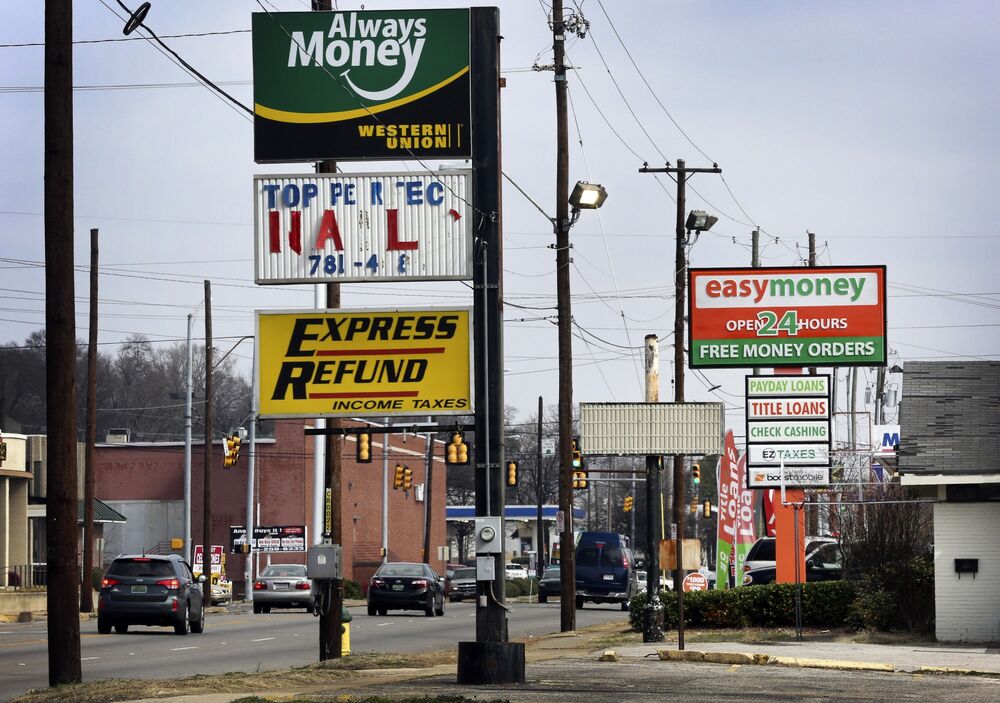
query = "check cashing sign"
x=356 y=228
x=361 y=85
x=343 y=363
x=821 y=316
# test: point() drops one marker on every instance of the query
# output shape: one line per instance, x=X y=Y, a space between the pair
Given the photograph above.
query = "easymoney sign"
x=778 y=317
x=361 y=85
x=357 y=363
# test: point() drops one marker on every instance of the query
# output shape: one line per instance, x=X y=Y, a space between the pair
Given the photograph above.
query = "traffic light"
x=696 y=473
x=397 y=481
x=579 y=480
x=231 y=449
x=511 y=473
x=364 y=448
x=407 y=478
x=628 y=504
x=694 y=506
x=577 y=461
x=457 y=451
x=708 y=508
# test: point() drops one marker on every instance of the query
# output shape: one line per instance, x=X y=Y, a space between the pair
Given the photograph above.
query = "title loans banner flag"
x=820 y=316
x=364 y=362
x=736 y=528
x=361 y=85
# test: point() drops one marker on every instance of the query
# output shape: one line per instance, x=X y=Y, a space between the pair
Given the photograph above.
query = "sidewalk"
x=926 y=657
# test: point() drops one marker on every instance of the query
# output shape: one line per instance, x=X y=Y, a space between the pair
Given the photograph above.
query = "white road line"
x=263 y=639
x=87 y=659
x=21 y=664
x=181 y=649
x=383 y=624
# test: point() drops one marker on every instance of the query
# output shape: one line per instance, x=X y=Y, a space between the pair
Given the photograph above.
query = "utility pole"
x=60 y=359
x=206 y=554
x=86 y=587
x=567 y=566
x=652 y=621
x=330 y=636
x=428 y=480
x=680 y=278
x=539 y=485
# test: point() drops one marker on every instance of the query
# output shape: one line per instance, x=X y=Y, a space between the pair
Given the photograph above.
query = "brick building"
x=145 y=482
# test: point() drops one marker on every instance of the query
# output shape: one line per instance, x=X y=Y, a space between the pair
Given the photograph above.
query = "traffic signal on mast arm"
x=397 y=481
x=231 y=450
x=577 y=456
x=696 y=473
x=457 y=451
x=512 y=473
x=708 y=508
x=407 y=478
x=628 y=504
x=580 y=480
x=364 y=448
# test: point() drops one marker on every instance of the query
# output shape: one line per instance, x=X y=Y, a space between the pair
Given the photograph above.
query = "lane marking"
x=181 y=649
x=87 y=659
x=263 y=639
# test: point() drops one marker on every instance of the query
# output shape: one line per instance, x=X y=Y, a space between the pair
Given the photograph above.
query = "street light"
x=585 y=196
x=700 y=221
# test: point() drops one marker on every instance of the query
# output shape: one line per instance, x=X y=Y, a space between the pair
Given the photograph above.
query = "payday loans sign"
x=776 y=317
x=346 y=363
x=361 y=85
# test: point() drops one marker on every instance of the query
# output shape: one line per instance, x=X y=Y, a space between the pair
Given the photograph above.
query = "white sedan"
x=515 y=571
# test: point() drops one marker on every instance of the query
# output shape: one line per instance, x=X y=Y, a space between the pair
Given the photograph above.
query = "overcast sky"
x=872 y=124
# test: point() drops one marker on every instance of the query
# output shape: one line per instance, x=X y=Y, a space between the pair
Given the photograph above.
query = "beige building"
x=15 y=479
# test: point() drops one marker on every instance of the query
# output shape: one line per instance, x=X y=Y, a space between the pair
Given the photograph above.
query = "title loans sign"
x=357 y=228
x=361 y=85
x=364 y=362
x=822 y=316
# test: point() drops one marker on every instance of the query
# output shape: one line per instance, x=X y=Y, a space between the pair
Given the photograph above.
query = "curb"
x=949 y=671
x=742 y=659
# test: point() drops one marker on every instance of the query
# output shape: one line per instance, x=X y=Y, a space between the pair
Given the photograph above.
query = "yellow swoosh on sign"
x=318 y=117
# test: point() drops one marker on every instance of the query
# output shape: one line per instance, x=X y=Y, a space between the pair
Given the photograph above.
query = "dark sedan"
x=550 y=585
x=822 y=565
x=404 y=585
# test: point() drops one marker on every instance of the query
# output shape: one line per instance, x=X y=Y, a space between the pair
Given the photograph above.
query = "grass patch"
x=109 y=691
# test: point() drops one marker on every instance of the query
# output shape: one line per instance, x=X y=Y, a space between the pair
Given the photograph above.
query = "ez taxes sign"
x=355 y=228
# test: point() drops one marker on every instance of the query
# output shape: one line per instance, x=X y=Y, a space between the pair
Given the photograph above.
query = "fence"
x=23 y=576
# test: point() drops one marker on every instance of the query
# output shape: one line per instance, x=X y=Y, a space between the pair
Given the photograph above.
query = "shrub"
x=352 y=590
x=772 y=605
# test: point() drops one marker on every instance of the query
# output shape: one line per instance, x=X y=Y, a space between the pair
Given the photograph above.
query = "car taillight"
x=302 y=586
x=107 y=582
x=625 y=562
x=378 y=583
x=171 y=584
x=259 y=586
x=420 y=583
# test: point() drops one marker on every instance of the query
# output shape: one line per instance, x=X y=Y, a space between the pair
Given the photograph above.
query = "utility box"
x=324 y=561
x=489 y=535
x=485 y=569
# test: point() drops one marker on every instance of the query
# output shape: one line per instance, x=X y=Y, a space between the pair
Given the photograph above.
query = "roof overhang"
x=947 y=479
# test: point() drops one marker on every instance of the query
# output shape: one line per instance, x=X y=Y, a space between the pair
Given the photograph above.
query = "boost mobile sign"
x=357 y=228
x=818 y=316
x=350 y=363
x=361 y=85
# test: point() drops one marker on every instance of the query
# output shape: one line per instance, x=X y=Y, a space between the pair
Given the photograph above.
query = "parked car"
x=824 y=564
x=462 y=583
x=150 y=589
x=515 y=571
x=402 y=585
x=551 y=583
x=221 y=594
x=762 y=553
x=641 y=577
x=283 y=586
x=605 y=569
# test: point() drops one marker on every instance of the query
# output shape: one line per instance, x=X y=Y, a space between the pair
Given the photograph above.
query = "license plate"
x=397 y=587
x=138 y=589
x=609 y=577
x=281 y=586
